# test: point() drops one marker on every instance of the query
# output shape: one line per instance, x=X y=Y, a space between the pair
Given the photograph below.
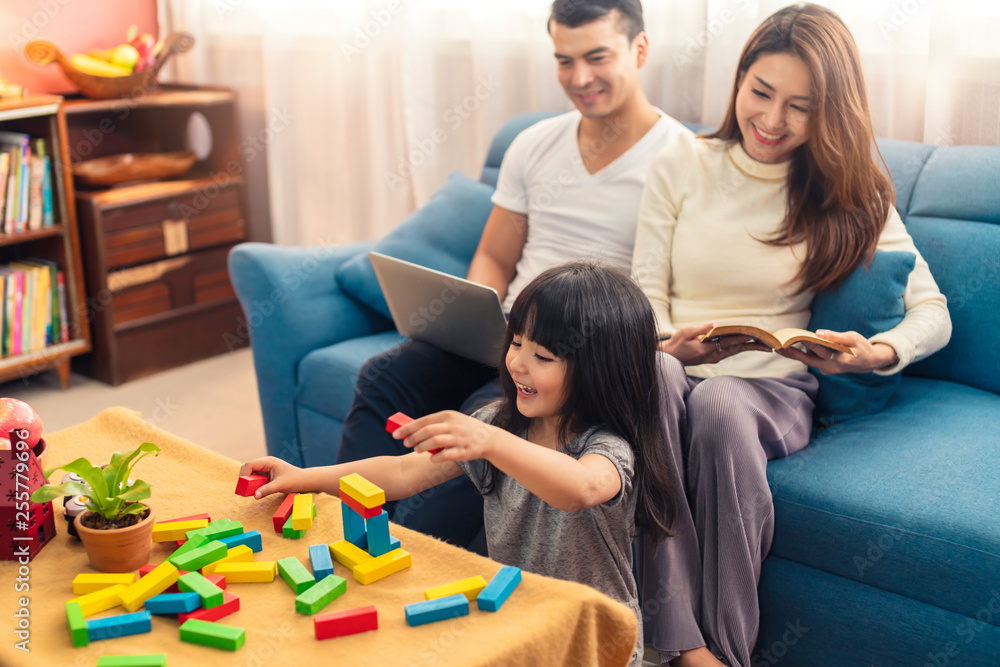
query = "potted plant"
x=117 y=528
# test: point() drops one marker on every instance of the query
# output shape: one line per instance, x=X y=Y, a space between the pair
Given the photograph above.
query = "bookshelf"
x=42 y=116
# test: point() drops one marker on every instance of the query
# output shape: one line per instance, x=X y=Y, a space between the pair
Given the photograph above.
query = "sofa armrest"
x=292 y=306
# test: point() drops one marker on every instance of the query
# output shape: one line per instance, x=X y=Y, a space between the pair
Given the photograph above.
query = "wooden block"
x=77 y=625
x=208 y=633
x=377 y=568
x=173 y=603
x=149 y=567
x=238 y=554
x=360 y=489
x=154 y=583
x=499 y=589
x=230 y=604
x=349 y=555
x=322 y=563
x=290 y=533
x=193 y=582
x=203 y=515
x=146 y=569
x=256 y=572
x=251 y=538
x=377 y=529
x=216 y=579
x=295 y=574
x=148 y=660
x=438 y=609
x=102 y=600
x=284 y=511
x=470 y=588
x=320 y=594
x=200 y=557
x=347 y=622
x=217 y=529
x=172 y=531
x=365 y=512
x=302 y=512
x=190 y=545
x=88 y=582
x=120 y=625
x=354 y=526
x=246 y=485
x=396 y=421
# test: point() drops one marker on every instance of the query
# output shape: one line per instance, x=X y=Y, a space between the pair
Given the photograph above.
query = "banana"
x=91 y=65
x=101 y=54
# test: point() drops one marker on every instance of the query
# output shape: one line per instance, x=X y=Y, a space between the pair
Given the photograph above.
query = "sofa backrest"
x=506 y=134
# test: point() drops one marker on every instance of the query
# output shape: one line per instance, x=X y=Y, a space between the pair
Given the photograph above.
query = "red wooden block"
x=358 y=507
x=247 y=484
x=230 y=604
x=398 y=420
x=284 y=511
x=217 y=579
x=180 y=543
x=193 y=517
x=346 y=622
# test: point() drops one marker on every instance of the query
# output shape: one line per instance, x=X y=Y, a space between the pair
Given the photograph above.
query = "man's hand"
x=457 y=436
x=687 y=347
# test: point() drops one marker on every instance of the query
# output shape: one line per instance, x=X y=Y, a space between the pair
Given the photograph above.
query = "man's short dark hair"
x=575 y=13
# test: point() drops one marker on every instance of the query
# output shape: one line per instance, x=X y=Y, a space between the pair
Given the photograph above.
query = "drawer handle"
x=175 y=237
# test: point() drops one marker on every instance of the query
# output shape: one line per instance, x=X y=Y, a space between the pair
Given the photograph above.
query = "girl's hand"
x=458 y=437
x=686 y=346
x=868 y=357
x=284 y=476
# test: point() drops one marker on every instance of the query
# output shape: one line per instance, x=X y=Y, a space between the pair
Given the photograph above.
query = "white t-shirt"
x=573 y=214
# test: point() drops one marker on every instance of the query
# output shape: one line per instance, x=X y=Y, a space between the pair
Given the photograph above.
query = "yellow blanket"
x=545 y=622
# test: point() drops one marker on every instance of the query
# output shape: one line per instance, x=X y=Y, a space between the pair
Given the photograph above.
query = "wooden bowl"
x=41 y=52
x=115 y=169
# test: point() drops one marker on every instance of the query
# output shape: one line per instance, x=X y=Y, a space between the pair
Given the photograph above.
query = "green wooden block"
x=207 y=633
x=218 y=529
x=77 y=625
x=320 y=594
x=290 y=532
x=298 y=578
x=149 y=660
x=192 y=544
x=200 y=557
x=211 y=595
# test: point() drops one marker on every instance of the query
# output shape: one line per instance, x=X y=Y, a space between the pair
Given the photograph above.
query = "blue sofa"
x=887 y=538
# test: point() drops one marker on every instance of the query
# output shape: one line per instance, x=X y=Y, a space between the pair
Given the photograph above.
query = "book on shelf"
x=10 y=204
x=26 y=186
x=13 y=302
x=776 y=340
x=33 y=315
x=20 y=146
x=48 y=212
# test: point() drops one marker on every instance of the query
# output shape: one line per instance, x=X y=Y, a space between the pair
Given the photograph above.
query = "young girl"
x=570 y=461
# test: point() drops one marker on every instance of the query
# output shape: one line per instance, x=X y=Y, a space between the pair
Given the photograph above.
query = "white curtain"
x=354 y=111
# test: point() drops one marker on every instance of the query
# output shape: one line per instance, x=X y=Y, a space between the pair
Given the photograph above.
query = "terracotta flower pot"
x=118 y=550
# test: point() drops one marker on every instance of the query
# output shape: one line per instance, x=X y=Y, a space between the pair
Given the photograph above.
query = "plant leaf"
x=140 y=490
x=91 y=474
x=125 y=465
x=134 y=508
x=43 y=494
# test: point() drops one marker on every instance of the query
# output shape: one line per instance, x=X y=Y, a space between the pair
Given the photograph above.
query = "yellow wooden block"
x=256 y=572
x=241 y=553
x=386 y=564
x=359 y=488
x=171 y=531
x=88 y=582
x=160 y=578
x=470 y=588
x=348 y=555
x=102 y=600
x=303 y=511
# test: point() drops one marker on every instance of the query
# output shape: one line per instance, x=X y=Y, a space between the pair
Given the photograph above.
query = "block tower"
x=367 y=548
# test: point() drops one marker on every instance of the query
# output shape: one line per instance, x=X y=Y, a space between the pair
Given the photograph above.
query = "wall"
x=75 y=26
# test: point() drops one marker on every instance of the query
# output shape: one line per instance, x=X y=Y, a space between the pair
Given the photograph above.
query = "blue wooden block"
x=322 y=563
x=393 y=543
x=173 y=603
x=499 y=589
x=120 y=625
x=250 y=538
x=378 y=534
x=438 y=609
x=354 y=526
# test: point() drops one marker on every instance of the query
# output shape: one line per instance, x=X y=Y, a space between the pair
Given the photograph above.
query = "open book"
x=779 y=339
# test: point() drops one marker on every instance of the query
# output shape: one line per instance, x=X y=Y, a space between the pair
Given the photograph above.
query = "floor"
x=212 y=403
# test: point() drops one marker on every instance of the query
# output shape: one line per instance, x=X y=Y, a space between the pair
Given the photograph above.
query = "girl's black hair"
x=597 y=319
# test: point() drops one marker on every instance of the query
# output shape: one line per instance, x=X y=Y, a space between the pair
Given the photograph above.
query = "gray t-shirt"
x=591 y=546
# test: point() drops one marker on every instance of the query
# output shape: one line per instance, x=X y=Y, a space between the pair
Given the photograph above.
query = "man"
x=569 y=187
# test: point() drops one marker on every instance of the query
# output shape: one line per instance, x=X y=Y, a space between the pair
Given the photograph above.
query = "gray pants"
x=699 y=588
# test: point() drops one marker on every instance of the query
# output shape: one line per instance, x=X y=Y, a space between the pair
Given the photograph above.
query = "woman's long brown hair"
x=838 y=198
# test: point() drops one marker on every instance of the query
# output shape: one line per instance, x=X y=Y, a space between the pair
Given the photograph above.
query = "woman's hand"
x=867 y=357
x=284 y=476
x=449 y=436
x=687 y=347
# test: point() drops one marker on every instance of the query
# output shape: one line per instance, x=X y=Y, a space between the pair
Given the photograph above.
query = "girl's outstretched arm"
x=557 y=478
x=399 y=476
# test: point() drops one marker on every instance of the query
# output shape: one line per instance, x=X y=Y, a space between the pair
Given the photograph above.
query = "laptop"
x=454 y=314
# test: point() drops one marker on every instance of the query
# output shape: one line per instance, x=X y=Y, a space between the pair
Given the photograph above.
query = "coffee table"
x=545 y=622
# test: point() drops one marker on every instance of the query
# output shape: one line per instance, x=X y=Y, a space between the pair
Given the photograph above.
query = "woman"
x=745 y=226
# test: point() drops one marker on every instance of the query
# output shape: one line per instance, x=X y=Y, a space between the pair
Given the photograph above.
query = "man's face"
x=598 y=67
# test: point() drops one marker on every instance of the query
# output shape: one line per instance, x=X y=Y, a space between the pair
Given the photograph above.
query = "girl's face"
x=772 y=107
x=539 y=376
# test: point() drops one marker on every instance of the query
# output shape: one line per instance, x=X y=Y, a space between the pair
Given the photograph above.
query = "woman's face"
x=772 y=107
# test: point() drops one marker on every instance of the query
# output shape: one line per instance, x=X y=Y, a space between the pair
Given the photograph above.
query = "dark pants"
x=418 y=379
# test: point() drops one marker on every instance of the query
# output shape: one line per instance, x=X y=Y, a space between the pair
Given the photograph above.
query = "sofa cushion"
x=327 y=375
x=905 y=500
x=870 y=301
x=905 y=160
x=442 y=235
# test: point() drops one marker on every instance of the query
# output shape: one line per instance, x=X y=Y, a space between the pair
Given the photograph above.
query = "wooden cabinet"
x=155 y=252
x=42 y=116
